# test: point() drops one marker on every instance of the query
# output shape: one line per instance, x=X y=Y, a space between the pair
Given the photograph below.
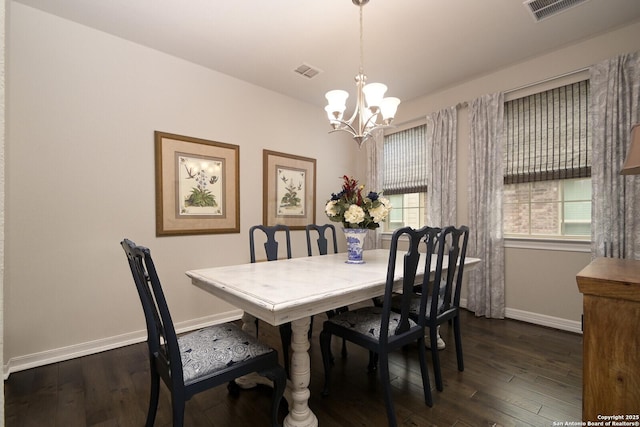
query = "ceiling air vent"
x=307 y=71
x=543 y=9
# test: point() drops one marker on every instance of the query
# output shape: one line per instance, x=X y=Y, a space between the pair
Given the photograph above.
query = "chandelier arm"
x=349 y=131
x=346 y=126
x=373 y=117
x=360 y=139
x=353 y=116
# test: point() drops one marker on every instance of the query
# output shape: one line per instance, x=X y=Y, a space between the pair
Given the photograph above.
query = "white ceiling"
x=416 y=47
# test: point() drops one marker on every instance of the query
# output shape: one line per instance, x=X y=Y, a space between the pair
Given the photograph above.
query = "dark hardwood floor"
x=516 y=374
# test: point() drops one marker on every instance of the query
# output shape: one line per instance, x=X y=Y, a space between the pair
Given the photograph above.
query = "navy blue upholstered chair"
x=381 y=330
x=199 y=360
x=321 y=239
x=448 y=286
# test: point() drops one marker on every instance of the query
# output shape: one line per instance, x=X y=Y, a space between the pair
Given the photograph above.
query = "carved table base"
x=297 y=393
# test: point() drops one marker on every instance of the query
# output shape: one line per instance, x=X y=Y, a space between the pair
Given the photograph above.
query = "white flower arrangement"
x=354 y=210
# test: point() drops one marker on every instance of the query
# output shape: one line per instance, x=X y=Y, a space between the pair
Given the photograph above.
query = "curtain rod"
x=406 y=122
x=547 y=80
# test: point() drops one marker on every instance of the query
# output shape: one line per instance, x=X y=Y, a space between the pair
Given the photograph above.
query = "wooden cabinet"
x=611 y=338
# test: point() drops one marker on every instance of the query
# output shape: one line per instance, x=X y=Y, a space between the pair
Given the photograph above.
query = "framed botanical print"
x=197 y=186
x=289 y=190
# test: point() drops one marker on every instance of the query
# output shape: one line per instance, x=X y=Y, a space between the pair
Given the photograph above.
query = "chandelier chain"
x=361 y=42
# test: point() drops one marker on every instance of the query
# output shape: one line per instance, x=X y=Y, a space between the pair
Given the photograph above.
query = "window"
x=547 y=164
x=548 y=208
x=408 y=210
x=405 y=177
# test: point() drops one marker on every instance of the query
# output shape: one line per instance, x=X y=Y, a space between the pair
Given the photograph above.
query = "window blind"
x=547 y=135
x=405 y=165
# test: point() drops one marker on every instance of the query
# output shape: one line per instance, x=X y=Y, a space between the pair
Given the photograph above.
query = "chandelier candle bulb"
x=373 y=94
x=337 y=99
x=388 y=109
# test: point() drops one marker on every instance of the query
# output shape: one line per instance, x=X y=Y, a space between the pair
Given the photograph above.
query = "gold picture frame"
x=289 y=190
x=197 y=186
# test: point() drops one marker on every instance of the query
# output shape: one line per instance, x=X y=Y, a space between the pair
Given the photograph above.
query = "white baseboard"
x=92 y=347
x=539 y=319
x=544 y=320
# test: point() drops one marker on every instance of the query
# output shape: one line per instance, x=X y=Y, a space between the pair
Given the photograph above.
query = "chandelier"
x=372 y=110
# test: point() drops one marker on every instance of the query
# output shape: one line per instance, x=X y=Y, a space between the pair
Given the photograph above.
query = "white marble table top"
x=290 y=289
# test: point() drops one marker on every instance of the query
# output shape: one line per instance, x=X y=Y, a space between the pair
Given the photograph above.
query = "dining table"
x=293 y=290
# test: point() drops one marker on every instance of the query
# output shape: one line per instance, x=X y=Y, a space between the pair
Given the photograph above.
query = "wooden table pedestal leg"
x=300 y=414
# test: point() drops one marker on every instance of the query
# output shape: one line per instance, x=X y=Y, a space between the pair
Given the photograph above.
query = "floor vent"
x=543 y=9
x=307 y=71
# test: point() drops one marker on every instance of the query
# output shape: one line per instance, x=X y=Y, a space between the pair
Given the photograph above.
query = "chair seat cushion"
x=366 y=321
x=414 y=305
x=209 y=350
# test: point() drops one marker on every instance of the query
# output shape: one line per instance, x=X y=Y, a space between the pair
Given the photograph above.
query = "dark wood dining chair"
x=271 y=245
x=381 y=330
x=322 y=241
x=196 y=361
x=320 y=233
x=447 y=286
x=271 y=250
x=447 y=306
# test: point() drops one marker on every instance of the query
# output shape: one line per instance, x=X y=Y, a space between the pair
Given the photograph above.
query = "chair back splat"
x=382 y=330
x=271 y=245
x=322 y=241
x=199 y=360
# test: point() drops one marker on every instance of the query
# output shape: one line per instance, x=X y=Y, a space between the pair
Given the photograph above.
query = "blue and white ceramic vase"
x=355 y=244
